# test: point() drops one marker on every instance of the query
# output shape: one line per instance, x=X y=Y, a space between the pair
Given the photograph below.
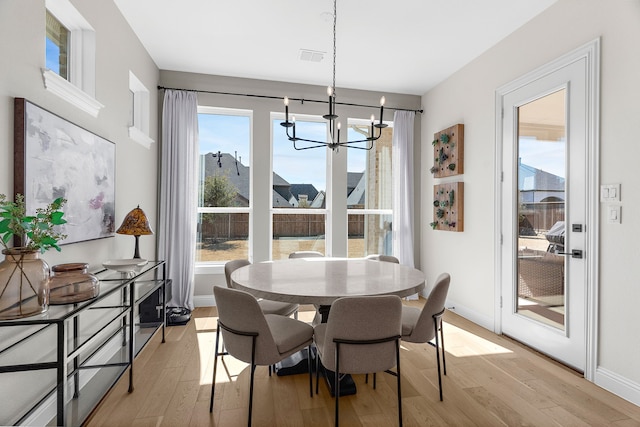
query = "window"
x=139 y=111
x=224 y=185
x=70 y=62
x=369 y=193
x=57 y=48
x=299 y=190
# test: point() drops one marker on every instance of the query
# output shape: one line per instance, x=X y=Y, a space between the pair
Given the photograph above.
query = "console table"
x=96 y=342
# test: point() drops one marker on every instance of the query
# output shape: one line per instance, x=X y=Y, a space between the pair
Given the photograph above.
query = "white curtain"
x=403 y=186
x=178 y=193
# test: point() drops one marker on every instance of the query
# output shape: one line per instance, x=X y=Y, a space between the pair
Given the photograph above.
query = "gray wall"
x=118 y=51
x=468 y=97
x=22 y=35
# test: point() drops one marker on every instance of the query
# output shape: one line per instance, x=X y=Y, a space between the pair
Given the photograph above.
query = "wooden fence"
x=236 y=225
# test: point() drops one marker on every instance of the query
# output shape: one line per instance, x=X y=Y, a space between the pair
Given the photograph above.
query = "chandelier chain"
x=335 y=16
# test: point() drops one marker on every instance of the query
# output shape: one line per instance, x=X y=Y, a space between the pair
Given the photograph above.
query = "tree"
x=218 y=191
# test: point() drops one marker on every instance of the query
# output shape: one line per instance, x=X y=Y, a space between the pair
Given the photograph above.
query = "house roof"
x=533 y=179
x=308 y=189
x=239 y=175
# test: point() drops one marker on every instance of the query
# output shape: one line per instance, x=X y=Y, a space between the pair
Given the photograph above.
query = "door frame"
x=591 y=53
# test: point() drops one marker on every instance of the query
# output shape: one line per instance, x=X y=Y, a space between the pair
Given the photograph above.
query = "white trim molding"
x=70 y=93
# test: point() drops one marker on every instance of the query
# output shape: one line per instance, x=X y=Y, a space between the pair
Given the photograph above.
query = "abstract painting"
x=56 y=158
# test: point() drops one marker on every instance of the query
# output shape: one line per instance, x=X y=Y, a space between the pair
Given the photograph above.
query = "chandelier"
x=334 y=128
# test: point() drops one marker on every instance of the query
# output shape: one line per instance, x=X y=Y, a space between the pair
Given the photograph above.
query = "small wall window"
x=138 y=111
x=70 y=60
x=57 y=49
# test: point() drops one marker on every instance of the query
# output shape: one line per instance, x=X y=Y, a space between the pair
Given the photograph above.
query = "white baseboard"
x=486 y=322
x=204 y=301
x=618 y=385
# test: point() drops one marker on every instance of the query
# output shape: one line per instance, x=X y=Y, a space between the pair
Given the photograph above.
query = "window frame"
x=139 y=128
x=371 y=211
x=79 y=89
x=278 y=116
x=215 y=267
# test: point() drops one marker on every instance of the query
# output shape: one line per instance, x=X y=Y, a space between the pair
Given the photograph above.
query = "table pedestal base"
x=296 y=363
x=347 y=385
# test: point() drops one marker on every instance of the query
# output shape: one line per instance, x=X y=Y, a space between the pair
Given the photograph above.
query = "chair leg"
x=310 y=375
x=215 y=367
x=399 y=388
x=444 y=363
x=253 y=370
x=438 y=358
x=374 y=380
x=317 y=371
x=337 y=381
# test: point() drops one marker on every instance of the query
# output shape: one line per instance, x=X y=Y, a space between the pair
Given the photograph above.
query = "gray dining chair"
x=422 y=326
x=267 y=306
x=385 y=258
x=306 y=254
x=362 y=335
x=254 y=337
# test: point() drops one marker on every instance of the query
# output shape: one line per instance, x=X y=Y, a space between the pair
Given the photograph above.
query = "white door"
x=544 y=212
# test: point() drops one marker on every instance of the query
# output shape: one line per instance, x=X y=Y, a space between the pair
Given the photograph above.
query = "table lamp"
x=135 y=224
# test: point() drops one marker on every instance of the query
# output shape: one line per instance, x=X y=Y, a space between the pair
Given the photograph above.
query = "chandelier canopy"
x=334 y=128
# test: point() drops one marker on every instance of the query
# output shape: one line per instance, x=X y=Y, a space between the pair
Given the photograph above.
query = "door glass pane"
x=541 y=209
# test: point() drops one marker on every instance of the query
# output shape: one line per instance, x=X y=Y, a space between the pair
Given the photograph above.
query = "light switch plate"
x=613 y=214
x=610 y=193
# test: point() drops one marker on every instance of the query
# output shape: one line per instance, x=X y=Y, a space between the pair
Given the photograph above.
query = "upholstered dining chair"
x=422 y=326
x=362 y=335
x=254 y=337
x=385 y=258
x=267 y=306
x=306 y=254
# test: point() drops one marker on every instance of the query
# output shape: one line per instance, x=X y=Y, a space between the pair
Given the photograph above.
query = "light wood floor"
x=491 y=381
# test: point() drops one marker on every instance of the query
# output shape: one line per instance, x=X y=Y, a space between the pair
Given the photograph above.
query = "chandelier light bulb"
x=286 y=101
x=382 y=101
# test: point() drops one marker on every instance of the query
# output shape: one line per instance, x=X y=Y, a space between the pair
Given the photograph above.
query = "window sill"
x=70 y=93
x=140 y=137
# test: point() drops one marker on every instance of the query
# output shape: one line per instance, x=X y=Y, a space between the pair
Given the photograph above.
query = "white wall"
x=469 y=96
x=22 y=38
x=261 y=154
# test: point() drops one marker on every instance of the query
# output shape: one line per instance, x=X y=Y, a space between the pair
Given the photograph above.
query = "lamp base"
x=136 y=253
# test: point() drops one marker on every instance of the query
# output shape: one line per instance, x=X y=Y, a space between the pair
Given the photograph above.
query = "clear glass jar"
x=71 y=283
x=24 y=279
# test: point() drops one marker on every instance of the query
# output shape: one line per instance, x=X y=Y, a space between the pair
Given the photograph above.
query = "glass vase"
x=70 y=283
x=24 y=284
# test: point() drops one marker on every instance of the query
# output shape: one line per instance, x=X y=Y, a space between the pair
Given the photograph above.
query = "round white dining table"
x=321 y=281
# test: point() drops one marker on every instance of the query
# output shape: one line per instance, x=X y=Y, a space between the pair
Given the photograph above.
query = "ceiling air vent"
x=311 y=55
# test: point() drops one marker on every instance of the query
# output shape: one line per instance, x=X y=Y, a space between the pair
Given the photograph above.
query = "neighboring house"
x=536 y=185
x=356 y=189
x=285 y=195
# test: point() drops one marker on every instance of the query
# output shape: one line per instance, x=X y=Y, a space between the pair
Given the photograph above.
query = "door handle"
x=575 y=253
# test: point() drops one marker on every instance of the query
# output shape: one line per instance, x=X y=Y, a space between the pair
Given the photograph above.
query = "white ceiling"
x=404 y=46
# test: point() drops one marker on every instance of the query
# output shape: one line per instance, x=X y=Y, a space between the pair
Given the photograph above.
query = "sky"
x=548 y=156
x=231 y=134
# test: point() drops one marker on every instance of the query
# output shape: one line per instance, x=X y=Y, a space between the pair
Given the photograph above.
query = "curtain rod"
x=302 y=100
